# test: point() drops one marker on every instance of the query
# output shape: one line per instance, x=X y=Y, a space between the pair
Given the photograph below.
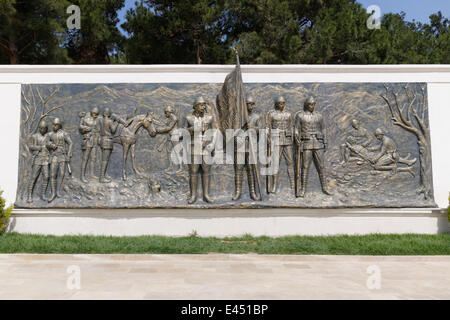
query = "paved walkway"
x=217 y=276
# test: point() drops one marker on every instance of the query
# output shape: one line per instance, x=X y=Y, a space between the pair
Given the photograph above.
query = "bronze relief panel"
x=121 y=146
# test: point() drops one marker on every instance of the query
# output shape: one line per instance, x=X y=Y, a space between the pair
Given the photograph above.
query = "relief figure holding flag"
x=233 y=114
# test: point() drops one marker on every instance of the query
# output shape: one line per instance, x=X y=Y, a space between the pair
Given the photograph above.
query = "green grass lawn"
x=377 y=244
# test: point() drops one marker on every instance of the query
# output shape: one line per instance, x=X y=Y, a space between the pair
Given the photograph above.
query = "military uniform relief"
x=119 y=146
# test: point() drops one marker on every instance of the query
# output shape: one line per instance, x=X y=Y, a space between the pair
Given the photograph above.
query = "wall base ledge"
x=228 y=222
x=235 y=212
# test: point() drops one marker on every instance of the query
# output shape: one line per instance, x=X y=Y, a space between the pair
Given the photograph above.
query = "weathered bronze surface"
x=254 y=123
x=281 y=120
x=342 y=144
x=311 y=139
x=198 y=167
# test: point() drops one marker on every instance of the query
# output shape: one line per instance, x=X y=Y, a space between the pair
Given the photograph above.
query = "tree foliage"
x=204 y=31
x=279 y=32
x=98 y=39
x=5 y=213
x=32 y=31
x=189 y=31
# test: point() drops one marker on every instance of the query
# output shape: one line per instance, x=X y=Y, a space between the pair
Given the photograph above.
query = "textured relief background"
x=353 y=184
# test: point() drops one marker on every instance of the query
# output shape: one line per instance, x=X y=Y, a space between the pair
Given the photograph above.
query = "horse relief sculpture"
x=300 y=145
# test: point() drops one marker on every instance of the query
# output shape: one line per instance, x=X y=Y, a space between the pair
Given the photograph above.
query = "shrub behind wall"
x=4 y=213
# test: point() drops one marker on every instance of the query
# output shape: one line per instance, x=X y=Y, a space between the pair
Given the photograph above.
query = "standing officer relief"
x=281 y=120
x=311 y=140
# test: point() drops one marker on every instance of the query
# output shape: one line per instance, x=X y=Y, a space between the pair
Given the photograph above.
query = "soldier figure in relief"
x=89 y=128
x=60 y=156
x=108 y=127
x=282 y=121
x=41 y=160
x=197 y=123
x=388 y=157
x=311 y=140
x=361 y=137
x=252 y=126
x=170 y=127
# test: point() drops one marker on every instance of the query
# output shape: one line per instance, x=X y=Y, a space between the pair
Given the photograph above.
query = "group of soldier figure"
x=301 y=137
x=54 y=150
x=304 y=132
x=51 y=151
x=386 y=157
x=100 y=131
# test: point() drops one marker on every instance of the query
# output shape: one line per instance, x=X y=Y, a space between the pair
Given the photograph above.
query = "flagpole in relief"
x=244 y=120
x=233 y=114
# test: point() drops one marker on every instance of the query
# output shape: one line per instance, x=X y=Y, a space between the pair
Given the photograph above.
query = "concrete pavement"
x=219 y=276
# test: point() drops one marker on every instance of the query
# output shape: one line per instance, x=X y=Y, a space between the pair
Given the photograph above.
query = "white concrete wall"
x=437 y=77
x=9 y=139
x=227 y=223
x=439 y=113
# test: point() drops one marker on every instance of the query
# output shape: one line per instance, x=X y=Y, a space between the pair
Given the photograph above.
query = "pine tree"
x=32 y=31
x=189 y=31
x=99 y=37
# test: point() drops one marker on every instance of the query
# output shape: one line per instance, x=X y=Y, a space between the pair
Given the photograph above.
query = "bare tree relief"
x=35 y=108
x=410 y=115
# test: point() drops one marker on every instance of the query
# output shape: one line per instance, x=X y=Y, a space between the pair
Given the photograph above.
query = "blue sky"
x=418 y=10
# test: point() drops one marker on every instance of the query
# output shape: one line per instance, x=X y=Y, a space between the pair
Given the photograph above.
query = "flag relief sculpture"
x=225 y=145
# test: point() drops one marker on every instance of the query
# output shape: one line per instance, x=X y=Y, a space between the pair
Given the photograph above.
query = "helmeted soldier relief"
x=169 y=128
x=282 y=121
x=311 y=139
x=197 y=123
x=108 y=127
x=388 y=157
x=389 y=167
x=252 y=126
x=89 y=128
x=41 y=159
x=360 y=136
x=61 y=144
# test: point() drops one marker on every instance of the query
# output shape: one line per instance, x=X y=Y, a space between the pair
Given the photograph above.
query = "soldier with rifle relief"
x=281 y=121
x=311 y=140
